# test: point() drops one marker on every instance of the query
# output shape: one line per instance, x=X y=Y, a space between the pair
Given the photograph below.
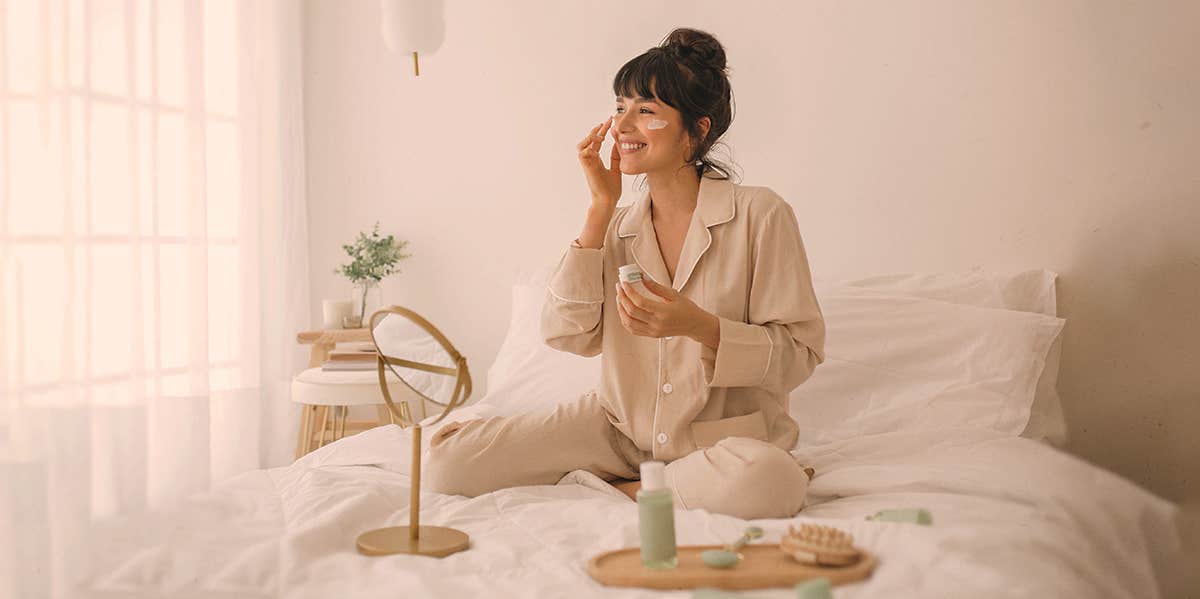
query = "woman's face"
x=649 y=134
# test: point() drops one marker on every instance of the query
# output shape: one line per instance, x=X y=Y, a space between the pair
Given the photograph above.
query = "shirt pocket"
x=708 y=432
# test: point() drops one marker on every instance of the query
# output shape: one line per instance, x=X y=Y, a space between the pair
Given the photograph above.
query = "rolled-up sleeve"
x=784 y=341
x=573 y=315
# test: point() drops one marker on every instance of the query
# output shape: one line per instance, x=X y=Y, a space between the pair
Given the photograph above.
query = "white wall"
x=921 y=136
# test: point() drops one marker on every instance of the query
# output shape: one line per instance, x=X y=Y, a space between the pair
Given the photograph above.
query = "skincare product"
x=632 y=274
x=913 y=515
x=729 y=556
x=656 y=518
x=711 y=593
x=817 y=588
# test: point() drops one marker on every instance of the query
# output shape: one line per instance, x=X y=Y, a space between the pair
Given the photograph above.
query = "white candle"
x=333 y=311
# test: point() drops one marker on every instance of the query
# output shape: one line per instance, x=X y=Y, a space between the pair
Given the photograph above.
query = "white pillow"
x=529 y=375
x=1027 y=291
x=974 y=288
x=902 y=362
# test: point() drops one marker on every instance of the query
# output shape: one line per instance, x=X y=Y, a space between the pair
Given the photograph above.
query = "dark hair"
x=687 y=72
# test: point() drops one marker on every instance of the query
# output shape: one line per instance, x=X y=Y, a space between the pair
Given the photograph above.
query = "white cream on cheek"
x=656 y=124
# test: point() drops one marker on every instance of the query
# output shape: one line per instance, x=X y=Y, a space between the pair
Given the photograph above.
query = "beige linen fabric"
x=670 y=399
x=742 y=260
x=740 y=477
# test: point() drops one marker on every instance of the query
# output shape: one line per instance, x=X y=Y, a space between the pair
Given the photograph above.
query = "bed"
x=937 y=392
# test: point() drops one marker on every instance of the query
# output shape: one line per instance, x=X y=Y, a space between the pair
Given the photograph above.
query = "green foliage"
x=373 y=257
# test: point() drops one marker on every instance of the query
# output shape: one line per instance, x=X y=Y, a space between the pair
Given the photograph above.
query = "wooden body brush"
x=819 y=545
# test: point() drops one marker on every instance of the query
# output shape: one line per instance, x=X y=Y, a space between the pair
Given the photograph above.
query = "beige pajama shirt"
x=718 y=418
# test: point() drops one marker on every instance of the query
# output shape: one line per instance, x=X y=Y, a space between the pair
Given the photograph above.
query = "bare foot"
x=628 y=487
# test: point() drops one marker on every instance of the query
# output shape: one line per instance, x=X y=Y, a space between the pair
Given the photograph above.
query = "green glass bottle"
x=656 y=518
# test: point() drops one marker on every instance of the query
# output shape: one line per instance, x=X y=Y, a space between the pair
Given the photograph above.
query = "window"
x=122 y=217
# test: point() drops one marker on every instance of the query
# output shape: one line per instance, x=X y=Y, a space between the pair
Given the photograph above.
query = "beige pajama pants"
x=738 y=476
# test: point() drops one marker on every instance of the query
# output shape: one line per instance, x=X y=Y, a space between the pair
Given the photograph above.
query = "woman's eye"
x=648 y=111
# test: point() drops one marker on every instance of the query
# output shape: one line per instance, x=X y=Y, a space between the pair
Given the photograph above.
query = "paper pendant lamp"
x=413 y=26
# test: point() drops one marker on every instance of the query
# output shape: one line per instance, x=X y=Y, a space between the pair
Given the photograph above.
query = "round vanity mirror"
x=431 y=371
x=418 y=355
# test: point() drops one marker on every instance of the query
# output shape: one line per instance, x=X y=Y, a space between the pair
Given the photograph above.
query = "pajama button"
x=662 y=438
x=667 y=388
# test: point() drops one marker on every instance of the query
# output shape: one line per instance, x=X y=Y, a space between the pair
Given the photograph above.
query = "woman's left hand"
x=674 y=315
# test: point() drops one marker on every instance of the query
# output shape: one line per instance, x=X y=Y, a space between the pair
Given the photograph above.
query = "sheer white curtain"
x=152 y=260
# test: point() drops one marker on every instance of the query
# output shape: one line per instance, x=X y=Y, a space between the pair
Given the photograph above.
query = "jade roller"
x=729 y=556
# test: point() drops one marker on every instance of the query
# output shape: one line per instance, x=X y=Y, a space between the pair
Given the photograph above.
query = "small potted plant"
x=372 y=257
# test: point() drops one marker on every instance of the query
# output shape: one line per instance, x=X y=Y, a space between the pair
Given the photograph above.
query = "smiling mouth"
x=627 y=148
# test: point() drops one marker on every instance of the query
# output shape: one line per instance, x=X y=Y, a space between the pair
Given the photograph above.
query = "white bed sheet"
x=1012 y=518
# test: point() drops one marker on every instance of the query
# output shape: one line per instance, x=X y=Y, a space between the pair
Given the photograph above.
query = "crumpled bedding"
x=1012 y=518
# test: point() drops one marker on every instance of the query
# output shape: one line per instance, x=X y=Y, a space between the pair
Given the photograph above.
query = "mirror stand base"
x=432 y=541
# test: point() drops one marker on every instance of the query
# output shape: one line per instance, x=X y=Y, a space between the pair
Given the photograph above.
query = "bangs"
x=645 y=75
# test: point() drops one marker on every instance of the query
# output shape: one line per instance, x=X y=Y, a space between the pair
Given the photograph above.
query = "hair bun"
x=696 y=46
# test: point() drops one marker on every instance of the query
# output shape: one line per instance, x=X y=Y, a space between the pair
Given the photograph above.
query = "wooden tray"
x=764 y=566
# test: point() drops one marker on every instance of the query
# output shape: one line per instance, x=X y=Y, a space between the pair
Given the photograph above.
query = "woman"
x=700 y=379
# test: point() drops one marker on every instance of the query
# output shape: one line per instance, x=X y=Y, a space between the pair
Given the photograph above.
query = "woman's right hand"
x=605 y=182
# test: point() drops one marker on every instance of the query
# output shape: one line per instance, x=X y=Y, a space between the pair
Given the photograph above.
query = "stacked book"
x=351 y=356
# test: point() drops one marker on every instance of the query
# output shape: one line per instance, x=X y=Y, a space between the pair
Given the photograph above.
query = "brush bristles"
x=821 y=545
x=824 y=536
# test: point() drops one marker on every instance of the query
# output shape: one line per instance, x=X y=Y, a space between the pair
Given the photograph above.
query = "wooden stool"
x=320 y=392
x=324 y=392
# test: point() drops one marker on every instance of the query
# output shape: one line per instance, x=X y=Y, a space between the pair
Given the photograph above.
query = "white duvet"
x=1012 y=518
